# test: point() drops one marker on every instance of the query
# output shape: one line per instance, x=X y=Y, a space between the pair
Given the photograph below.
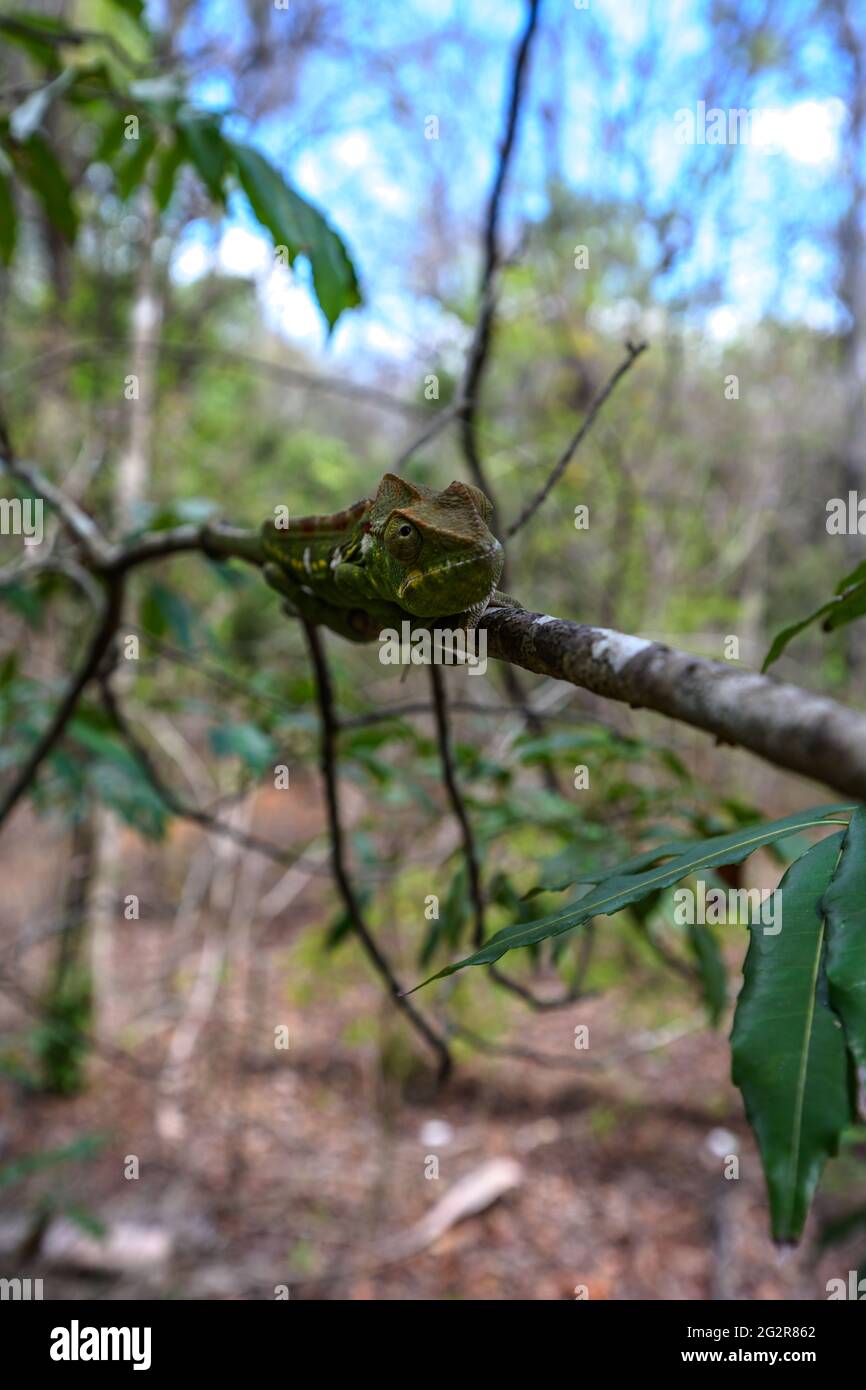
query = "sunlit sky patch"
x=372 y=172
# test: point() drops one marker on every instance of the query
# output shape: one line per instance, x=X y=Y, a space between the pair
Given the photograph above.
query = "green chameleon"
x=407 y=552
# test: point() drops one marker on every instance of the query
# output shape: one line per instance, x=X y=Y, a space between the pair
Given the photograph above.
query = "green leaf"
x=845 y=908
x=848 y=581
x=620 y=890
x=243 y=741
x=8 y=220
x=120 y=39
x=168 y=162
x=535 y=748
x=301 y=228
x=781 y=639
x=834 y=1232
x=846 y=609
x=165 y=612
x=115 y=776
x=788 y=1048
x=207 y=152
x=447 y=929
x=133 y=8
x=849 y=604
x=129 y=174
x=568 y=878
x=342 y=927
x=27 y=118
x=23 y=29
x=37 y=165
x=711 y=968
x=85 y=1147
x=85 y=1219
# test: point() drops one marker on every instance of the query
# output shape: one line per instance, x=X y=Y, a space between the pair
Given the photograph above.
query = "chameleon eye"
x=403 y=539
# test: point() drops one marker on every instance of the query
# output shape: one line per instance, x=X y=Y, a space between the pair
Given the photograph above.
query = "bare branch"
x=634 y=351
x=83 y=529
x=99 y=645
x=479 y=350
x=470 y=852
x=176 y=804
x=214 y=539
x=195 y=352
x=442 y=418
x=328 y=756
x=458 y=806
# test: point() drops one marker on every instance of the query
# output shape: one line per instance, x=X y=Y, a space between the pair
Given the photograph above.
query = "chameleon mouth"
x=430 y=593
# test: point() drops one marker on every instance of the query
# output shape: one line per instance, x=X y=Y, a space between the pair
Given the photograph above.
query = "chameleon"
x=406 y=552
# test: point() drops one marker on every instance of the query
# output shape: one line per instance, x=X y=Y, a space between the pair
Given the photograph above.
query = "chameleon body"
x=407 y=552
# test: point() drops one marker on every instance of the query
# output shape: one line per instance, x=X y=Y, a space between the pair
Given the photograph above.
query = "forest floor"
x=266 y=1172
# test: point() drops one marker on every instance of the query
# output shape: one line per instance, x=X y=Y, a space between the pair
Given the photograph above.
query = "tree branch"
x=470 y=852
x=99 y=645
x=328 y=756
x=175 y=803
x=479 y=350
x=458 y=806
x=788 y=726
x=634 y=351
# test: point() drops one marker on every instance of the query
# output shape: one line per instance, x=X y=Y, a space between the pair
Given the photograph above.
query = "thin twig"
x=176 y=804
x=458 y=806
x=328 y=757
x=83 y=528
x=634 y=351
x=443 y=417
x=479 y=350
x=99 y=645
x=470 y=851
x=192 y=352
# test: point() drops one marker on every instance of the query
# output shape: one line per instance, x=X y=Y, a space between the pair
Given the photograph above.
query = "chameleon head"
x=435 y=553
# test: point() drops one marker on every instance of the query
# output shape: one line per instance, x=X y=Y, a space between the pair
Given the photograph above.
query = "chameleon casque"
x=407 y=552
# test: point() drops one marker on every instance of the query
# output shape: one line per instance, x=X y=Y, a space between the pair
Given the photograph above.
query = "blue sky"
x=341 y=142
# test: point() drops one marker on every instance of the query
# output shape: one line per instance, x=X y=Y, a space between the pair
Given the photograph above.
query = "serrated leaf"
x=788 y=1048
x=620 y=891
x=845 y=908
